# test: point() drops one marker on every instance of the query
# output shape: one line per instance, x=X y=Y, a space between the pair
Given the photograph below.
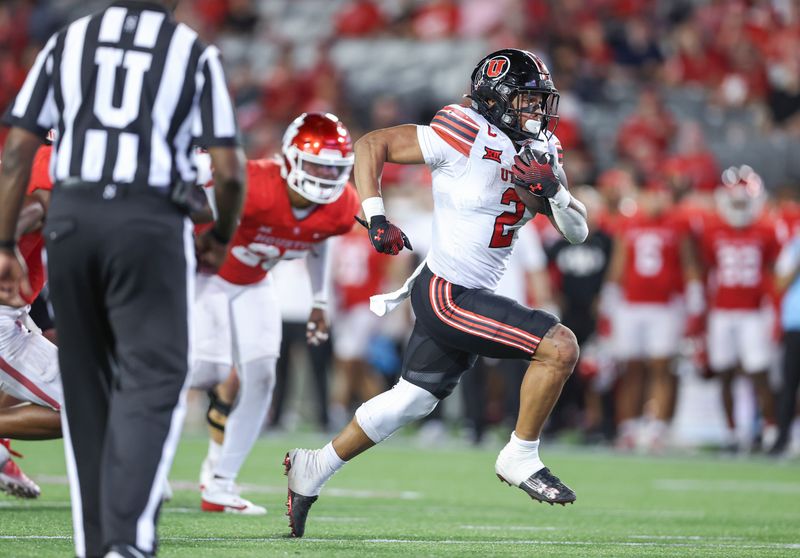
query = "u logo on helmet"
x=497 y=67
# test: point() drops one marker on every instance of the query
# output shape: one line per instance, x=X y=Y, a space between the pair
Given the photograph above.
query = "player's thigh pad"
x=722 y=341
x=256 y=322
x=384 y=414
x=353 y=329
x=211 y=325
x=754 y=338
x=28 y=365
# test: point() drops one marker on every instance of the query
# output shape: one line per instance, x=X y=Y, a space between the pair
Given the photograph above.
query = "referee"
x=129 y=91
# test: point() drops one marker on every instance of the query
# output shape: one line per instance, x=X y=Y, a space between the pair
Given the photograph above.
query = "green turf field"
x=400 y=500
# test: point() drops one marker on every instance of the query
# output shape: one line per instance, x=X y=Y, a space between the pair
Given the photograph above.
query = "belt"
x=75 y=183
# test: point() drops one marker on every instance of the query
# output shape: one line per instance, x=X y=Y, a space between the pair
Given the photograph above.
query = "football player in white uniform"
x=485 y=158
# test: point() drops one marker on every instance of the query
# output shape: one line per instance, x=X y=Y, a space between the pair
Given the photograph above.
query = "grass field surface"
x=400 y=500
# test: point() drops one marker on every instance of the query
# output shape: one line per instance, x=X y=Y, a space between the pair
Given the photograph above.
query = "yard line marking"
x=762 y=487
x=263 y=489
x=749 y=546
x=506 y=528
x=686 y=537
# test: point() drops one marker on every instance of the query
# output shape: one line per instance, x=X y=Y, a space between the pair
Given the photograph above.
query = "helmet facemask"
x=740 y=198
x=526 y=102
x=318 y=178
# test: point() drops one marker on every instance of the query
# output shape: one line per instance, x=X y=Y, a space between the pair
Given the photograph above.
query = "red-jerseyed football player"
x=650 y=268
x=739 y=248
x=28 y=361
x=295 y=202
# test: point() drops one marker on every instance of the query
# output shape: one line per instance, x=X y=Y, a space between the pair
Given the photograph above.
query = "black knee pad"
x=217 y=413
x=432 y=366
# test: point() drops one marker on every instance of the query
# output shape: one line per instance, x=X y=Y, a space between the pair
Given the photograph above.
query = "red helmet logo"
x=497 y=67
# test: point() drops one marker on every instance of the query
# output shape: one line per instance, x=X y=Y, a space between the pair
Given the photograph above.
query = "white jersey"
x=476 y=209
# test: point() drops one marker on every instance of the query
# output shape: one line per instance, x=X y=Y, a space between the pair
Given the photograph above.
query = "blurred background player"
x=295 y=202
x=357 y=273
x=787 y=271
x=578 y=274
x=650 y=267
x=739 y=246
x=484 y=157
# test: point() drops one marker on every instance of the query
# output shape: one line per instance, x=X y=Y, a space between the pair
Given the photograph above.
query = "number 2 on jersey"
x=502 y=237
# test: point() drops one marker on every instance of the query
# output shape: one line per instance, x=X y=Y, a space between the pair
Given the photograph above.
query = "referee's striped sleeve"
x=215 y=122
x=33 y=108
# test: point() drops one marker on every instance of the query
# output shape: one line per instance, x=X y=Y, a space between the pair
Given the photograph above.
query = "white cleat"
x=12 y=480
x=306 y=475
x=515 y=469
x=222 y=495
x=533 y=478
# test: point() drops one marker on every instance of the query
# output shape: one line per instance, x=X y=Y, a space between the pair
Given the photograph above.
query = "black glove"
x=535 y=173
x=385 y=237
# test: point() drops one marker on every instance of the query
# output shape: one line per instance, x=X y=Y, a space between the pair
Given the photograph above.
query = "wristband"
x=372 y=207
x=319 y=305
x=216 y=235
x=9 y=244
x=562 y=198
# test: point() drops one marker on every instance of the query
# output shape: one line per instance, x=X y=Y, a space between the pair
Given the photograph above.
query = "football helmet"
x=317 y=156
x=510 y=83
x=740 y=197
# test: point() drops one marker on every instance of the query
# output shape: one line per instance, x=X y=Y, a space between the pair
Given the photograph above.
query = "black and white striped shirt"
x=129 y=92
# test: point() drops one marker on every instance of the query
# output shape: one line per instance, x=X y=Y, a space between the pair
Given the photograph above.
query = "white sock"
x=524 y=446
x=214 y=451
x=257 y=379
x=519 y=459
x=330 y=459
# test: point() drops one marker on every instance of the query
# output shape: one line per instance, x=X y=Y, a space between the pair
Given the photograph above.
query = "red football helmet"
x=740 y=198
x=318 y=156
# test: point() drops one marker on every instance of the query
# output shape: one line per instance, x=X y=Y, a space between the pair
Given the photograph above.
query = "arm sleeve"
x=215 y=122
x=34 y=108
x=319 y=271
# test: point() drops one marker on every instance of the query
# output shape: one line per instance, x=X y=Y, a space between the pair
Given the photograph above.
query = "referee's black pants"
x=121 y=266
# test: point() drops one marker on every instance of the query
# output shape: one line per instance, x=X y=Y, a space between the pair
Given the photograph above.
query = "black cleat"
x=546 y=487
x=297 y=505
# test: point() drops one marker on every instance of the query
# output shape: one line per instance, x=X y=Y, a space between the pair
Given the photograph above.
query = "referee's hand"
x=210 y=252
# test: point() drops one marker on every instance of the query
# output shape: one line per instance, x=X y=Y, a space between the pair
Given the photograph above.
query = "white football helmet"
x=317 y=156
x=741 y=196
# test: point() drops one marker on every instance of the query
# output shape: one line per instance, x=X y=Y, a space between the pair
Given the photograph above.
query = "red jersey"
x=739 y=263
x=653 y=272
x=358 y=270
x=31 y=244
x=269 y=229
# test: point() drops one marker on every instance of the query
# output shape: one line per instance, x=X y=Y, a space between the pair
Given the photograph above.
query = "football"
x=535 y=204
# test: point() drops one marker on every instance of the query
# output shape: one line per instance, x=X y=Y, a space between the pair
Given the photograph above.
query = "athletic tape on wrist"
x=372 y=207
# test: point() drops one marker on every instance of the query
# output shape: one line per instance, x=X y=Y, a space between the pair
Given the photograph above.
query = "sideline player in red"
x=29 y=375
x=485 y=158
x=739 y=248
x=652 y=264
x=295 y=202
